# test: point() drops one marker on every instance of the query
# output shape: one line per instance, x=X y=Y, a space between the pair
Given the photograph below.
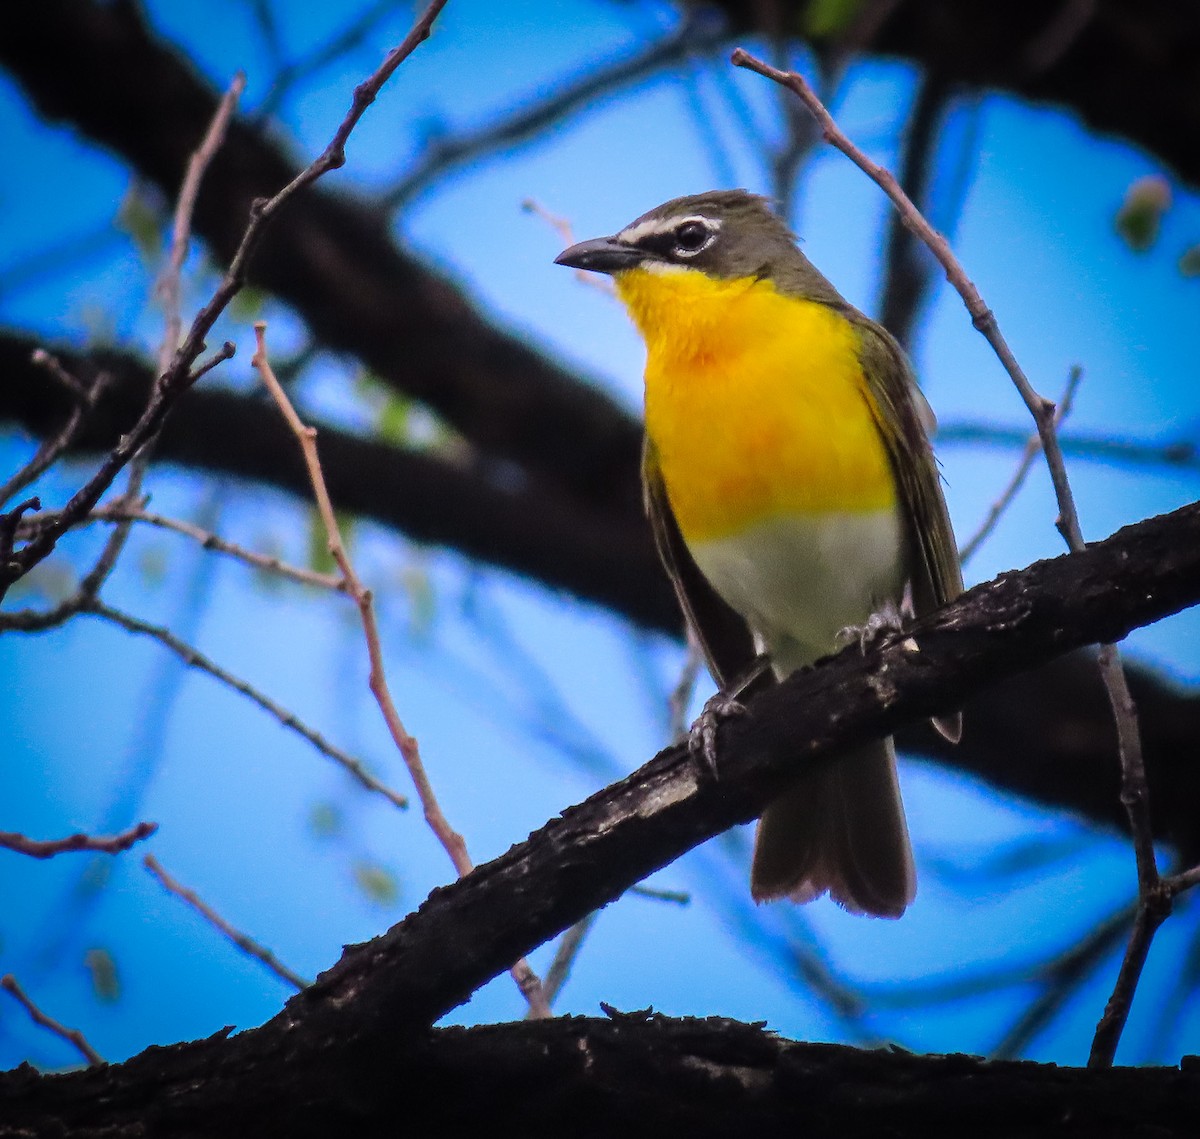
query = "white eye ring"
x=708 y=225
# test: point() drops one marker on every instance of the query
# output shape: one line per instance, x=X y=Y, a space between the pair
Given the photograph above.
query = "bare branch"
x=291 y=73
x=84 y=400
x=243 y=941
x=452 y=842
x=695 y=33
x=1178 y=454
x=70 y=1035
x=1032 y=447
x=119 y=512
x=196 y=659
x=564 y=957
x=681 y=694
x=103 y=844
x=566 y=235
x=167 y=286
x=1154 y=896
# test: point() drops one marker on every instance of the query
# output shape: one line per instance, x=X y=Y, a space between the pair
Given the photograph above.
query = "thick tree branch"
x=637 y=1074
x=363 y=1024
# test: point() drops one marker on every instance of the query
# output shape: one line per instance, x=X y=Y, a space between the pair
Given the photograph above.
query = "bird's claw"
x=702 y=738
x=885 y=620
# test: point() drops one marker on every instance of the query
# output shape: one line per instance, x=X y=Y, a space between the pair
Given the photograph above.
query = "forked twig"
x=1032 y=447
x=243 y=941
x=451 y=841
x=70 y=1035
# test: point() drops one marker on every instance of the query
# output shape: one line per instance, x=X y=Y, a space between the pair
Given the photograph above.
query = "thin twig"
x=681 y=695
x=196 y=659
x=103 y=844
x=1059 y=35
x=119 y=512
x=243 y=941
x=1061 y=978
x=908 y=269
x=1154 y=896
x=84 y=400
x=1177 y=454
x=1032 y=446
x=566 y=235
x=564 y=957
x=1151 y=900
x=676 y=897
x=1185 y=880
x=452 y=842
x=167 y=286
x=696 y=32
x=345 y=41
x=70 y=1035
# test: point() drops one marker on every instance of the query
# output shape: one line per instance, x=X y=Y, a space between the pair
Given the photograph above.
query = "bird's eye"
x=691 y=236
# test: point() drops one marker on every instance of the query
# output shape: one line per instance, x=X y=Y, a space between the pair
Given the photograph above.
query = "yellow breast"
x=755 y=403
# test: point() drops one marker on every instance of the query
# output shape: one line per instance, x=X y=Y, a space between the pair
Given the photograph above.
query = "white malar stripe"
x=799 y=581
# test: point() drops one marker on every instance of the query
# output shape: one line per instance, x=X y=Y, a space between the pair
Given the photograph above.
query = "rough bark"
x=633 y=1074
x=345 y=1051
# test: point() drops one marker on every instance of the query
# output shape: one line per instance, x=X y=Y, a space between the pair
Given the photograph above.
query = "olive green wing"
x=905 y=422
x=722 y=634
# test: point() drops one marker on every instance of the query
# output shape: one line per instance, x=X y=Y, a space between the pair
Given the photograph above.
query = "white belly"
x=799 y=581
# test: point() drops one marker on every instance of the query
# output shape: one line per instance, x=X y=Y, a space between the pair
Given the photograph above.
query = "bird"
x=795 y=502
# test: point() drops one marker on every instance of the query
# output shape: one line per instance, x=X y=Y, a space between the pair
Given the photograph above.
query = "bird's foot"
x=722 y=706
x=702 y=738
x=888 y=618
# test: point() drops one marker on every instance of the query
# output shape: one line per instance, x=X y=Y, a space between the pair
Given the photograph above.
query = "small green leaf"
x=247 y=304
x=394 y=418
x=1189 y=261
x=319 y=557
x=102 y=967
x=325 y=820
x=422 y=599
x=140 y=218
x=377 y=882
x=53 y=580
x=826 y=18
x=270 y=545
x=1140 y=217
x=152 y=565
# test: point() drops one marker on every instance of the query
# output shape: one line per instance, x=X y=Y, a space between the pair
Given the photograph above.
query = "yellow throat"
x=756 y=404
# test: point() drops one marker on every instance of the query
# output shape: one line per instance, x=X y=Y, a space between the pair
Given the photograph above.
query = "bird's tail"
x=841 y=830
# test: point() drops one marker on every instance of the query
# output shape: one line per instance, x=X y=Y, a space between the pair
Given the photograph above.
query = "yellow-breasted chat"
x=793 y=495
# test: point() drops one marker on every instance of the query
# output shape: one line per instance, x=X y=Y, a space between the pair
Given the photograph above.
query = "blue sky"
x=525 y=702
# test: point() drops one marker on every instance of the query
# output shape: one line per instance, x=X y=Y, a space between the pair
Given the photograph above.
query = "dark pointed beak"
x=601 y=255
